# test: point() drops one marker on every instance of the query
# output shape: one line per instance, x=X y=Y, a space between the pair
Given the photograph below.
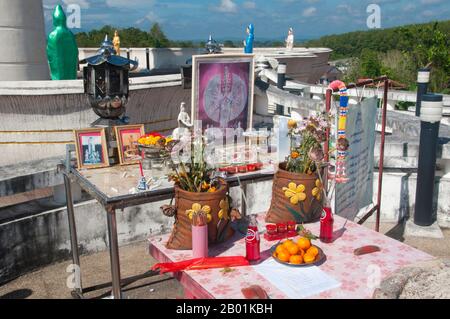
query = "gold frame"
x=117 y=130
x=196 y=59
x=104 y=148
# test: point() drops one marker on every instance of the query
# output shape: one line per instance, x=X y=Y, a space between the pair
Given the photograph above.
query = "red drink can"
x=252 y=241
x=281 y=228
x=326 y=225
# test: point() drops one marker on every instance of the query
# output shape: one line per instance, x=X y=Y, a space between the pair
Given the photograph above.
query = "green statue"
x=62 y=50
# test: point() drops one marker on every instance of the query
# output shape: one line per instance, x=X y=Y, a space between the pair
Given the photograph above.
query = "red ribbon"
x=201 y=263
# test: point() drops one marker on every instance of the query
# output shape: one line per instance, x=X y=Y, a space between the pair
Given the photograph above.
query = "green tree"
x=370 y=65
x=157 y=37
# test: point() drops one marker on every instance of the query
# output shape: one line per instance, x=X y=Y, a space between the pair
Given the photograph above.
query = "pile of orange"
x=296 y=253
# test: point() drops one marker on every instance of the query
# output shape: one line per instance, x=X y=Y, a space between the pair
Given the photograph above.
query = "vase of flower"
x=198 y=193
x=298 y=189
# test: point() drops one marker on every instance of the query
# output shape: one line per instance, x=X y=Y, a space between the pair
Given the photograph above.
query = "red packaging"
x=326 y=225
x=282 y=228
x=271 y=229
x=252 y=241
x=291 y=225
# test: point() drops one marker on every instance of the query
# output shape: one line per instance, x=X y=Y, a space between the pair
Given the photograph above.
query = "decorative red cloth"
x=201 y=263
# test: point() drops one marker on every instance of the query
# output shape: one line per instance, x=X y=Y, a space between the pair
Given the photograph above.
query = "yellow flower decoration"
x=317 y=191
x=196 y=208
x=295 y=193
x=224 y=209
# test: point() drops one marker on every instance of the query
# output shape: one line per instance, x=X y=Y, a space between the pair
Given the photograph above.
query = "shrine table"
x=111 y=187
x=355 y=273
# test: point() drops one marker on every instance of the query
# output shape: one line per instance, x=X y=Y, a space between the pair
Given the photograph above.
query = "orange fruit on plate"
x=288 y=243
x=281 y=249
x=293 y=249
x=307 y=258
x=301 y=252
x=284 y=256
x=313 y=251
x=296 y=260
x=304 y=243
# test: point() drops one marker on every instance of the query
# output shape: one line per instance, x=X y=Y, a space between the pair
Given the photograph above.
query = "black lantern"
x=106 y=81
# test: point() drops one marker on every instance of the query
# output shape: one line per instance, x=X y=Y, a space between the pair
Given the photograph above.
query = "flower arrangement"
x=195 y=175
x=155 y=139
x=307 y=138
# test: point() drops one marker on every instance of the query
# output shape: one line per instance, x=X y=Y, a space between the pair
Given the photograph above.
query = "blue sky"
x=196 y=19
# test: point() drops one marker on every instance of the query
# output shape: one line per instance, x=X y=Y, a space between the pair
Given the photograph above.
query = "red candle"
x=140 y=164
x=271 y=229
x=281 y=227
x=291 y=225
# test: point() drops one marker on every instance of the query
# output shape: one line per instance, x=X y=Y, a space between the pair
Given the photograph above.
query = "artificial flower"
x=295 y=193
x=197 y=208
x=224 y=208
x=317 y=191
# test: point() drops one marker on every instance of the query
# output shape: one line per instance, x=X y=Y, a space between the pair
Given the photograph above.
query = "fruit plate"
x=320 y=258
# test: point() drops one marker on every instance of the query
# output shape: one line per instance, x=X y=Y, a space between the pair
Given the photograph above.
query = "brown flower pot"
x=218 y=230
x=308 y=210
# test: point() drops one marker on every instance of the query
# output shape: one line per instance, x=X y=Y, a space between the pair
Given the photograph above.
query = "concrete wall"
x=23 y=44
x=306 y=65
x=29 y=243
x=37 y=241
x=38 y=126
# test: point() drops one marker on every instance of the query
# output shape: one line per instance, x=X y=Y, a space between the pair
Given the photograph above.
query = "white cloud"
x=51 y=4
x=226 y=6
x=249 y=5
x=128 y=4
x=84 y=4
x=309 y=12
x=430 y=1
x=409 y=7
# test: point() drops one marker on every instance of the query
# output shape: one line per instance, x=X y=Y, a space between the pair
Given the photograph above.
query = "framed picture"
x=127 y=142
x=222 y=90
x=91 y=148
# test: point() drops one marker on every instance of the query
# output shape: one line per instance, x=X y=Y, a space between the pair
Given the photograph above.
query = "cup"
x=200 y=241
x=291 y=225
x=281 y=228
x=271 y=229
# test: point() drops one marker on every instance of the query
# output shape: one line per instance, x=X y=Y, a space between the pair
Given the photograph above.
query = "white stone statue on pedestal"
x=290 y=40
x=184 y=123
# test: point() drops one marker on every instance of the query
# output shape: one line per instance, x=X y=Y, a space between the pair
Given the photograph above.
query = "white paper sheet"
x=296 y=282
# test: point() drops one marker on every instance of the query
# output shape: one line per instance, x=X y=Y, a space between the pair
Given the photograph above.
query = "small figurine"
x=290 y=40
x=248 y=43
x=116 y=42
x=62 y=50
x=184 y=122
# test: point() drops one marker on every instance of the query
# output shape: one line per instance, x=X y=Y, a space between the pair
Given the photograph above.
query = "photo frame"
x=91 y=148
x=127 y=137
x=222 y=90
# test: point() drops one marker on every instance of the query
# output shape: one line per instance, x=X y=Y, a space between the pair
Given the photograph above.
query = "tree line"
x=397 y=52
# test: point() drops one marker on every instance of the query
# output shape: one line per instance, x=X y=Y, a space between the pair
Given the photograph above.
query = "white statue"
x=290 y=40
x=184 y=122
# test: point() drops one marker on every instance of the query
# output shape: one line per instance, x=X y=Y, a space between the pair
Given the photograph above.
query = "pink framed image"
x=91 y=148
x=222 y=90
x=127 y=137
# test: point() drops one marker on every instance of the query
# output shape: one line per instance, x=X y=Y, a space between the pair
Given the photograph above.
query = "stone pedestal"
x=23 y=54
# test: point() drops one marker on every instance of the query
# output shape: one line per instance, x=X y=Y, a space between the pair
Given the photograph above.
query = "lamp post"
x=281 y=82
x=423 y=79
x=430 y=117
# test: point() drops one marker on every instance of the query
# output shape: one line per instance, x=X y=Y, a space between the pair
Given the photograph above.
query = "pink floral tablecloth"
x=358 y=275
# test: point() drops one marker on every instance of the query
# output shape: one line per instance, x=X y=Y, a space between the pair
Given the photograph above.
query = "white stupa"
x=22 y=41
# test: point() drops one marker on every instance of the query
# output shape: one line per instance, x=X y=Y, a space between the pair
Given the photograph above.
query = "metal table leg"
x=114 y=253
x=78 y=291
